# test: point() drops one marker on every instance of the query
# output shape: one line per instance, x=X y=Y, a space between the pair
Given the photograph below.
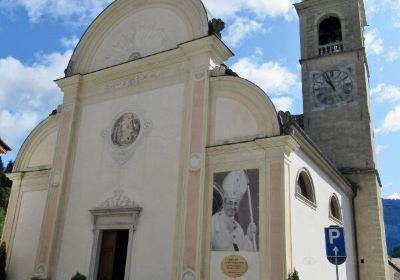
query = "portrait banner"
x=235 y=213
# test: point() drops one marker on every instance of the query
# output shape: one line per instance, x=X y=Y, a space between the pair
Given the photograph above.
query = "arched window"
x=330 y=39
x=330 y=31
x=335 y=211
x=304 y=187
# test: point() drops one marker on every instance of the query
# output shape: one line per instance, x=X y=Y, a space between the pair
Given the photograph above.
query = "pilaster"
x=200 y=53
x=278 y=167
x=47 y=240
x=11 y=220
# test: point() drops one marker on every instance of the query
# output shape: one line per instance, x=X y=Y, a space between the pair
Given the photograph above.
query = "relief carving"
x=118 y=200
x=215 y=26
x=125 y=135
x=125 y=130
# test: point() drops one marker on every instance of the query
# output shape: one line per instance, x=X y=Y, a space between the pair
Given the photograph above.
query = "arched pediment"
x=38 y=149
x=240 y=111
x=131 y=29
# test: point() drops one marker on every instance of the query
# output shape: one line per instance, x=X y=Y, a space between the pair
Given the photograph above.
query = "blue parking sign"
x=335 y=244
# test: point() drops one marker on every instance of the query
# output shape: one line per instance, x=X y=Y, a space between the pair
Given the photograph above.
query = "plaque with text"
x=234 y=266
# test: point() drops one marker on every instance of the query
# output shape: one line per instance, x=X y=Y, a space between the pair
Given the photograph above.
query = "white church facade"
x=162 y=163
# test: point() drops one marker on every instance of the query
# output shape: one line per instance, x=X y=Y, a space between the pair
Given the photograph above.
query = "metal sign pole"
x=337 y=267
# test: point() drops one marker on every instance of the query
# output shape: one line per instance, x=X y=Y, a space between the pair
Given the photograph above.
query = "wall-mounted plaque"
x=234 y=266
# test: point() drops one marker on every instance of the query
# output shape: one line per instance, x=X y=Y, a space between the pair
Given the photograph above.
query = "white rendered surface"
x=27 y=235
x=233 y=120
x=309 y=254
x=44 y=153
x=150 y=178
x=145 y=32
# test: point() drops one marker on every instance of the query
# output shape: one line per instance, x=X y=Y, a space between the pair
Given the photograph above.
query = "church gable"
x=38 y=150
x=129 y=30
x=240 y=111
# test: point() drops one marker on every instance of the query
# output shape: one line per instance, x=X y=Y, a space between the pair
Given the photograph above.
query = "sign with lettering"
x=234 y=266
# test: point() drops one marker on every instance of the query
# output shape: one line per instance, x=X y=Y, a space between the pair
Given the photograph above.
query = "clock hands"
x=329 y=81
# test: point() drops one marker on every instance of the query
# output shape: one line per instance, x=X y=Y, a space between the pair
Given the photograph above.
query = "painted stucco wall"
x=234 y=121
x=150 y=178
x=44 y=152
x=309 y=254
x=27 y=234
x=138 y=36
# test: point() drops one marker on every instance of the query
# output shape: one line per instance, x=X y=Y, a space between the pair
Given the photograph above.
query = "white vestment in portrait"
x=228 y=235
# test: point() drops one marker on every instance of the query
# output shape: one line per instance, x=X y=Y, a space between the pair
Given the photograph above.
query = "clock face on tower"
x=333 y=87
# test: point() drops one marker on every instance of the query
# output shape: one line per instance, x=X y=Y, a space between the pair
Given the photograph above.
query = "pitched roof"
x=3 y=147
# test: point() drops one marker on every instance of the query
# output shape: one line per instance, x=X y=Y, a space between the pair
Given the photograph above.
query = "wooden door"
x=107 y=255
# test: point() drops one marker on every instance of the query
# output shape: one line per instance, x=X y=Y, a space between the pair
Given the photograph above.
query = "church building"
x=162 y=163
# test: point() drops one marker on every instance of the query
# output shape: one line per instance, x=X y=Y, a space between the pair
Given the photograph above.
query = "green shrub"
x=294 y=275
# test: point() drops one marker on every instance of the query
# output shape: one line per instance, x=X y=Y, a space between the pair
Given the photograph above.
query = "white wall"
x=309 y=255
x=150 y=178
x=146 y=32
x=44 y=153
x=26 y=240
x=233 y=120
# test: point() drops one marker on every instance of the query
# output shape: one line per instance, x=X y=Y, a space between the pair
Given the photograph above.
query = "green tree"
x=9 y=167
x=294 y=275
x=3 y=259
x=1 y=166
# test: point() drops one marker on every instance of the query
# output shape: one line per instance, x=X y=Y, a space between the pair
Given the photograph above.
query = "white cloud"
x=272 y=77
x=28 y=93
x=261 y=8
x=391 y=8
x=373 y=42
x=83 y=11
x=394 y=196
x=393 y=55
x=241 y=28
x=258 y=51
x=15 y=126
x=279 y=83
x=380 y=148
x=69 y=43
x=283 y=103
x=391 y=122
x=384 y=92
x=73 y=11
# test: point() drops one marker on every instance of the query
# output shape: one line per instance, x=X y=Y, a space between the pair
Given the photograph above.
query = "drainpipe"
x=355 y=233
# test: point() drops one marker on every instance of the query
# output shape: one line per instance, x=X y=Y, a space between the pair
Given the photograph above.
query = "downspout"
x=355 y=232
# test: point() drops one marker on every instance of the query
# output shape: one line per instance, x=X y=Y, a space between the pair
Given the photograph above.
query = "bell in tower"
x=337 y=113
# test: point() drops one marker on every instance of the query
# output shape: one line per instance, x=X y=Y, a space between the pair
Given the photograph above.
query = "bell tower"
x=337 y=114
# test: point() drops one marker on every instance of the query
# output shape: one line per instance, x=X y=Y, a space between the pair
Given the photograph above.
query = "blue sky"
x=38 y=36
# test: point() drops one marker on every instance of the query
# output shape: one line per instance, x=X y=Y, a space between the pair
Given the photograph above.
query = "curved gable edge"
x=192 y=12
x=238 y=102
x=43 y=134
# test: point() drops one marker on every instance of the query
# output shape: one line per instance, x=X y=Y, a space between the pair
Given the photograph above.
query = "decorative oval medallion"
x=125 y=130
x=234 y=266
x=195 y=162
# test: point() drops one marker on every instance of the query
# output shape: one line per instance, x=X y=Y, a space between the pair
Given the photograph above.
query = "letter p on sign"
x=333 y=234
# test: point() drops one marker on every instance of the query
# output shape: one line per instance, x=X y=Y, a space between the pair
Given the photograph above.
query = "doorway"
x=113 y=252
